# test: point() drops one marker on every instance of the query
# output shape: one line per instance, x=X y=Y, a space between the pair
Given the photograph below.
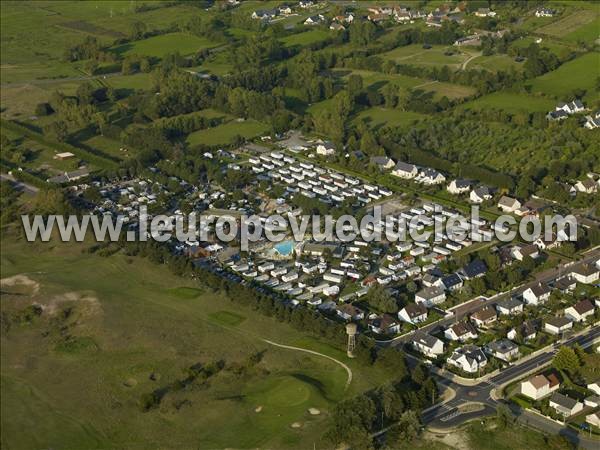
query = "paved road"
x=449 y=415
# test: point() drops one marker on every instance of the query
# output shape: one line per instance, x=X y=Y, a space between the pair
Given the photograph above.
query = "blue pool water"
x=285 y=248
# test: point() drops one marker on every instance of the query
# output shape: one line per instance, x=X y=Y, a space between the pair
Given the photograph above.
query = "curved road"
x=312 y=352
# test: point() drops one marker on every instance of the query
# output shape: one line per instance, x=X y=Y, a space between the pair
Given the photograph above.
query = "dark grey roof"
x=425 y=339
x=510 y=303
x=451 y=280
x=475 y=268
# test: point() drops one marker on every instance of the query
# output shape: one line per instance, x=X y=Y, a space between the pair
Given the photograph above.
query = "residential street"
x=449 y=415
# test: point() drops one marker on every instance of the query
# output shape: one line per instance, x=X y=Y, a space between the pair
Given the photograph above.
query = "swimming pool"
x=285 y=248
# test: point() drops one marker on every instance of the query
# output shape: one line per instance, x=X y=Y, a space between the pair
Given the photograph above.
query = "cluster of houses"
x=547 y=386
x=312 y=181
x=470 y=358
x=564 y=110
x=407 y=171
x=284 y=10
x=592 y=122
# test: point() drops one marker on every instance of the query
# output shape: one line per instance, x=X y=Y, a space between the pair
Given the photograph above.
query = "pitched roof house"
x=384 y=324
x=580 y=311
x=382 y=162
x=508 y=204
x=469 y=359
x=484 y=317
x=565 y=406
x=461 y=331
x=459 y=186
x=537 y=295
x=509 y=307
x=430 y=296
x=503 y=349
x=585 y=273
x=405 y=170
x=427 y=345
x=413 y=313
x=539 y=386
x=558 y=325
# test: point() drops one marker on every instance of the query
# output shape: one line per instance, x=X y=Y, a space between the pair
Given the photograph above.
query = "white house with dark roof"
x=509 y=307
x=430 y=296
x=428 y=345
x=480 y=194
x=484 y=317
x=580 y=311
x=469 y=359
x=413 y=313
x=503 y=349
x=382 y=162
x=537 y=295
x=459 y=186
x=565 y=406
x=557 y=325
x=325 y=148
x=461 y=331
x=587 y=186
x=508 y=204
x=405 y=170
x=585 y=273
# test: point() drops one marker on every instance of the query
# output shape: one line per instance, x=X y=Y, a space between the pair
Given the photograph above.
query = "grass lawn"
x=382 y=117
x=224 y=134
x=511 y=102
x=416 y=55
x=163 y=44
x=449 y=90
x=581 y=73
x=495 y=63
x=133 y=82
x=305 y=38
x=106 y=145
x=130 y=318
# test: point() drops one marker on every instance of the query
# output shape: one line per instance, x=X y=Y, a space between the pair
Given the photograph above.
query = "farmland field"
x=418 y=56
x=511 y=102
x=376 y=117
x=576 y=74
x=161 y=45
x=495 y=63
x=582 y=24
x=305 y=38
x=224 y=134
x=449 y=90
x=122 y=333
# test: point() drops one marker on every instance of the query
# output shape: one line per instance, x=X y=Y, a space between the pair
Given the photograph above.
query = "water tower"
x=351 y=332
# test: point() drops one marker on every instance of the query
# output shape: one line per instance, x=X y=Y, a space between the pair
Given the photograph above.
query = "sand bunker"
x=20 y=281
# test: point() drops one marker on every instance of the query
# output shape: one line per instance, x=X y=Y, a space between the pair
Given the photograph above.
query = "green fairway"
x=581 y=73
x=161 y=45
x=130 y=333
x=449 y=90
x=225 y=133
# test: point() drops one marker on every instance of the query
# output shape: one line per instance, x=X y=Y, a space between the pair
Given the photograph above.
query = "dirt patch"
x=314 y=411
x=89 y=303
x=457 y=439
x=19 y=284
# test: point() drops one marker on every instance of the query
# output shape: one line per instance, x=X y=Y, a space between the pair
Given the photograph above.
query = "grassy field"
x=416 y=55
x=583 y=24
x=159 y=46
x=305 y=38
x=511 y=102
x=580 y=73
x=377 y=117
x=224 y=134
x=494 y=63
x=450 y=90
x=134 y=328
x=34 y=35
x=133 y=82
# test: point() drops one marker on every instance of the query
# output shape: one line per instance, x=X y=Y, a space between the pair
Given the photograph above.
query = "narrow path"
x=312 y=352
x=464 y=65
x=425 y=84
